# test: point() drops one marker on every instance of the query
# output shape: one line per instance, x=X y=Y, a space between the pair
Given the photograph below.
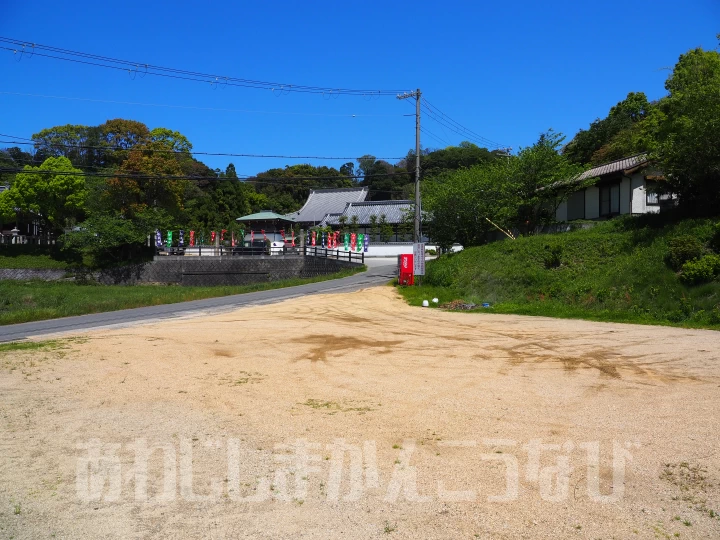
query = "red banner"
x=192 y=238
x=353 y=241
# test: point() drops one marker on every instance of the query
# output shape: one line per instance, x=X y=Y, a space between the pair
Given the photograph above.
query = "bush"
x=701 y=270
x=715 y=240
x=552 y=256
x=682 y=249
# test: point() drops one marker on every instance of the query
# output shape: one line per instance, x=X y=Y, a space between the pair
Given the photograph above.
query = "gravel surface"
x=356 y=416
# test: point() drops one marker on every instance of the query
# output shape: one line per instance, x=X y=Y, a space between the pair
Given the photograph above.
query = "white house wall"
x=561 y=212
x=592 y=202
x=625 y=195
x=638 y=194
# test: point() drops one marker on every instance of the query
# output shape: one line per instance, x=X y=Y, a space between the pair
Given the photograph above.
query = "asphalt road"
x=376 y=275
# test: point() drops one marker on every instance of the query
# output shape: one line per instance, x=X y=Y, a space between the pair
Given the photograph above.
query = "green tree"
x=54 y=193
x=687 y=130
x=354 y=224
x=616 y=136
x=519 y=192
x=386 y=229
x=374 y=228
x=174 y=141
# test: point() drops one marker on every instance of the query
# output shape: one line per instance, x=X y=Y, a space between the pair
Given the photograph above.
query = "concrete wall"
x=198 y=271
x=208 y=271
x=31 y=273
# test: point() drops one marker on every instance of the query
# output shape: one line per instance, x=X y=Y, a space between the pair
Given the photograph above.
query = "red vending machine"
x=405 y=269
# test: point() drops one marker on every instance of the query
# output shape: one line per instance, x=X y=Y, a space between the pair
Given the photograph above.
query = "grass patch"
x=33 y=262
x=28 y=346
x=37 y=300
x=617 y=271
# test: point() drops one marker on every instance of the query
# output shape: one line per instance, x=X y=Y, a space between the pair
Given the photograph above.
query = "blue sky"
x=507 y=71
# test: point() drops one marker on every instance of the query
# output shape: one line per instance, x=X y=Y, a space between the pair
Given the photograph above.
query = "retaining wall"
x=199 y=271
x=23 y=274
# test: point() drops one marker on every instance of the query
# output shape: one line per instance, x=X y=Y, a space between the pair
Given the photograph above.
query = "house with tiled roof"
x=623 y=186
x=322 y=202
x=369 y=216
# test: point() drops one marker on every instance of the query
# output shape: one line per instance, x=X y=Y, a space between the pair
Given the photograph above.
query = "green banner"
x=169 y=239
x=360 y=242
x=346 y=241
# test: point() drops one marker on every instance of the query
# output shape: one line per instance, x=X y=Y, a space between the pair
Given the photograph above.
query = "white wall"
x=395 y=249
x=625 y=196
x=639 y=202
x=561 y=212
x=592 y=202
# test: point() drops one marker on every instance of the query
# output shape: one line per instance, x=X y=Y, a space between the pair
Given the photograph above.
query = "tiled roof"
x=394 y=212
x=327 y=201
x=264 y=215
x=615 y=166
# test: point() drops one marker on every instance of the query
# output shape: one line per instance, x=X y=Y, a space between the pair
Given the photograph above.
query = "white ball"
x=425 y=303
x=435 y=300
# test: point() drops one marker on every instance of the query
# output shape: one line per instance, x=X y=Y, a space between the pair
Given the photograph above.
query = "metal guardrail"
x=339 y=254
x=226 y=251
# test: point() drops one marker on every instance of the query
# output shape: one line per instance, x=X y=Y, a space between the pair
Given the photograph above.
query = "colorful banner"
x=361 y=241
x=312 y=240
x=232 y=238
x=222 y=235
x=346 y=241
x=292 y=236
x=324 y=239
x=366 y=243
x=212 y=237
x=192 y=238
x=263 y=233
x=168 y=242
x=353 y=240
x=158 y=238
x=307 y=242
x=252 y=237
x=336 y=239
x=181 y=238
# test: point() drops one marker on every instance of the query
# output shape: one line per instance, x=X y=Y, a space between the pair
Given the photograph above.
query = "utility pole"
x=416 y=95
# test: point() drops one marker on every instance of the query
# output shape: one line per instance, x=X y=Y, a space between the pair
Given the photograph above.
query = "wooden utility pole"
x=417 y=94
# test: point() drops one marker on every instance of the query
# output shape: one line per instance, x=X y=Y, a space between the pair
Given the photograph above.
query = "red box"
x=405 y=269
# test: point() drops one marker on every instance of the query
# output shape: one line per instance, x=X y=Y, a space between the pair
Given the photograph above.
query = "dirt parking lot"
x=357 y=416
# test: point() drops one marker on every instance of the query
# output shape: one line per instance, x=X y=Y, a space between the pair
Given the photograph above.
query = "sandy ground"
x=357 y=416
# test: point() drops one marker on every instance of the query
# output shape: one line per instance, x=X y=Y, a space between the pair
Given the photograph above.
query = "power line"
x=247 y=178
x=40 y=143
x=440 y=117
x=426 y=131
x=189 y=107
x=141 y=69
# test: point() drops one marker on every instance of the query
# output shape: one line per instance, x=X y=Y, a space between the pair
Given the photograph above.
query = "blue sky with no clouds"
x=506 y=71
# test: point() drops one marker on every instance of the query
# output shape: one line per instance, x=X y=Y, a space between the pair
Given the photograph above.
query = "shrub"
x=701 y=270
x=682 y=249
x=715 y=240
x=552 y=256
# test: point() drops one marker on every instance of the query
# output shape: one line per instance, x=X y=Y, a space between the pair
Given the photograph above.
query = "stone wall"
x=23 y=274
x=208 y=271
x=197 y=271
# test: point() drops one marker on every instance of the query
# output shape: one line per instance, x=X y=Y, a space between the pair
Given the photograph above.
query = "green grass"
x=37 y=300
x=28 y=345
x=44 y=262
x=615 y=271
